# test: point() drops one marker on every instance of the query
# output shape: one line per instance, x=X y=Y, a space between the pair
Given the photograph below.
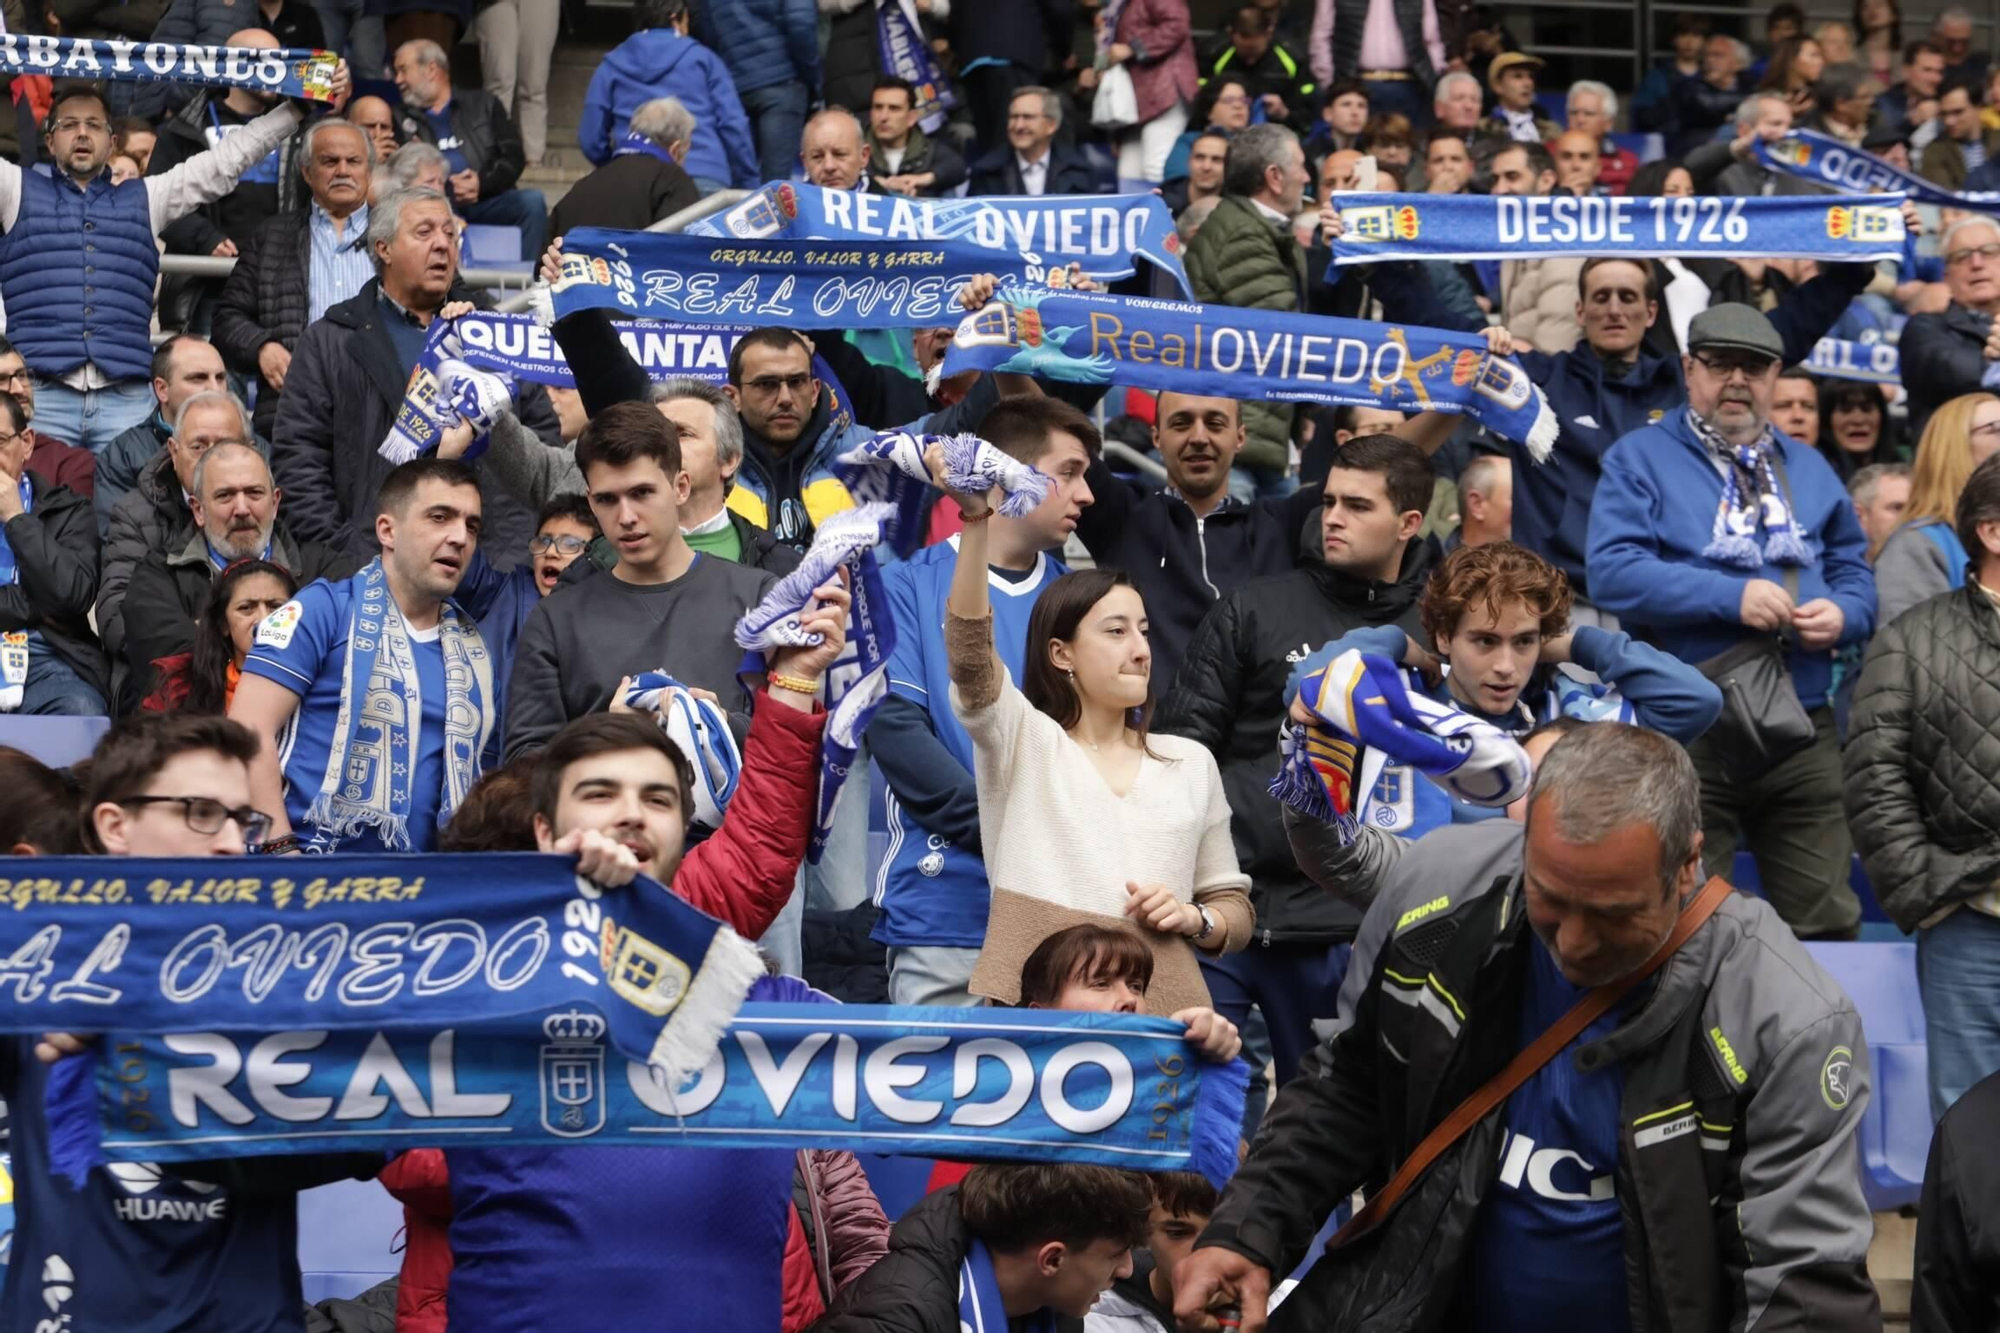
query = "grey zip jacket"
x=1738 y=1174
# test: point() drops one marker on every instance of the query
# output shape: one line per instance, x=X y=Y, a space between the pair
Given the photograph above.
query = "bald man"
x=1578 y=160
x=376 y=119
x=223 y=227
x=1337 y=172
x=833 y=151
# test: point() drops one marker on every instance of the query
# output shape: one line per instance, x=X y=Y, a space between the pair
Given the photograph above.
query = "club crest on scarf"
x=573 y=1074
x=289 y=72
x=1824 y=160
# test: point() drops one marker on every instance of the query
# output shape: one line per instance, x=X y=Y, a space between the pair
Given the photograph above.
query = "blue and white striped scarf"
x=373 y=757
x=1752 y=501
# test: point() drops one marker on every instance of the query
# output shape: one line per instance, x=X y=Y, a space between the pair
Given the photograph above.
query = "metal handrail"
x=1132 y=458
x=694 y=212
x=214 y=266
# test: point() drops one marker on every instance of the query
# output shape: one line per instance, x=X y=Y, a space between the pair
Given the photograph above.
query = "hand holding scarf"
x=700 y=729
x=1360 y=701
x=890 y=472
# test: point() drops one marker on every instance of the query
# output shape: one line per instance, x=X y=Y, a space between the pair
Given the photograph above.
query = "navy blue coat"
x=764 y=42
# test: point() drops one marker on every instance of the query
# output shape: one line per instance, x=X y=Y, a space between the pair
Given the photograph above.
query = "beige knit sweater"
x=1060 y=844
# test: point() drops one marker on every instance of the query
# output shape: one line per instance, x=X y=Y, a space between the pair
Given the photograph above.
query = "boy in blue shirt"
x=378 y=690
x=1499 y=616
x=932 y=888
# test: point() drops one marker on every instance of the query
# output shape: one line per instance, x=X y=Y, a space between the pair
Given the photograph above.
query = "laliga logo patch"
x=1836 y=1078
x=279 y=626
x=573 y=1074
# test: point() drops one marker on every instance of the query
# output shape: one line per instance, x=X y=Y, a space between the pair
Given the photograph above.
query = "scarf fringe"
x=1542 y=435
x=690 y=1037
x=1733 y=550
x=1787 y=547
x=70 y=1108
x=1218 y=1121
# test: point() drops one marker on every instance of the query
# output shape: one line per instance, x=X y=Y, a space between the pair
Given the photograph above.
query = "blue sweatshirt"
x=1654 y=515
x=659 y=62
x=1636 y=683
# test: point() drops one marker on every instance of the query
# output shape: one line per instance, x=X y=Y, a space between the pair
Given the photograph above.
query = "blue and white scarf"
x=1871 y=363
x=899 y=40
x=1094 y=338
x=10 y=568
x=1752 y=501
x=630 y=144
x=386 y=963
x=890 y=470
x=1825 y=160
x=430 y=403
x=373 y=758
x=854 y=687
x=521 y=346
x=1104 y=235
x=1381 y=227
x=699 y=728
x=289 y=73
x=1363 y=702
x=980 y=1306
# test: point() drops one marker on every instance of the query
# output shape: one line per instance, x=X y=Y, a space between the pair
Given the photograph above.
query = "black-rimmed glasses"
x=205 y=814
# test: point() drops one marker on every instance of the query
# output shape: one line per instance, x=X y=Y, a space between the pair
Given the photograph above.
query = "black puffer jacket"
x=486 y=134
x=914 y=1287
x=266 y=299
x=1923 y=756
x=55 y=549
x=153 y=516
x=1229 y=694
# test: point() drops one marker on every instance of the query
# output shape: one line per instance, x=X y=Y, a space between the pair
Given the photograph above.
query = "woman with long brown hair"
x=1923 y=557
x=1084 y=817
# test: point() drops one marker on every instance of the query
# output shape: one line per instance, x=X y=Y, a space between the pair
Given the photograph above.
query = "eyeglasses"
x=1989 y=252
x=1726 y=364
x=768 y=385
x=543 y=543
x=206 y=815
x=71 y=125
x=1233 y=99
x=21 y=376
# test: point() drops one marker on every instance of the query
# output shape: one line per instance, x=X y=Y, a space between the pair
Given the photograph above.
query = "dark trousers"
x=1791 y=820
x=990 y=88
x=1292 y=984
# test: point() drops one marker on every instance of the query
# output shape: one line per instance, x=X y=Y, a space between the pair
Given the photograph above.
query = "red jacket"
x=743 y=875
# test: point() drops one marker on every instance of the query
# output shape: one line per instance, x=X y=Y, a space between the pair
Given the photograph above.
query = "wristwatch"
x=1207 y=924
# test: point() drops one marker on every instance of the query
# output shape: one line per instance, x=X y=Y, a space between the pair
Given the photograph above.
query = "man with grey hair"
x=833 y=150
x=1957 y=350
x=1881 y=492
x=299 y=265
x=1246 y=255
x=1588 y=1197
x=349 y=373
x=1456 y=103
x=1593 y=110
x=154 y=515
x=1951 y=33
x=481 y=145
x=1033 y=161
x=234 y=503
x=643 y=182
x=1731 y=167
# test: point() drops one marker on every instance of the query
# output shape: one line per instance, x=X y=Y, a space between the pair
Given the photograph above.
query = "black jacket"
x=763 y=551
x=237 y=215
x=341 y=396
x=55 y=550
x=1229 y=694
x=1923 y=757
x=1020 y=33
x=1182 y=564
x=486 y=134
x=1738 y=1174
x=1069 y=172
x=630 y=193
x=152 y=516
x=169 y=592
x=267 y=298
x=1943 y=356
x=1956 y=1284
x=921 y=153
x=914 y=1287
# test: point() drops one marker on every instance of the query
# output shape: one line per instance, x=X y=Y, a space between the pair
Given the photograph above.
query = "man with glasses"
x=80 y=255
x=64 y=464
x=1957 y=351
x=1033 y=161
x=49 y=660
x=1714 y=530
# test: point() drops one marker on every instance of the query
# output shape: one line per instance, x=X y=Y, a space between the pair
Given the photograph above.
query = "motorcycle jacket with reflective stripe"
x=1737 y=1176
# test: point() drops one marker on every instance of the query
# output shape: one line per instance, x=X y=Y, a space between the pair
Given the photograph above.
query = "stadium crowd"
x=1745 y=608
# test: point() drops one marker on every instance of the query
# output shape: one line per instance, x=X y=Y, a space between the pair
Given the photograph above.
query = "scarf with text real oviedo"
x=384 y=1003
x=1381 y=227
x=354 y=950
x=1093 y=338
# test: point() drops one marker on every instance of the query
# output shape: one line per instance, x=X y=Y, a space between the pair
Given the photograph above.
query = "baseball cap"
x=1735 y=326
x=1507 y=60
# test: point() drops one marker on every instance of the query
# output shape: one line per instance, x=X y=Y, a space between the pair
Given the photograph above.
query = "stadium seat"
x=56 y=741
x=491 y=247
x=1895 y=1128
x=349 y=1238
